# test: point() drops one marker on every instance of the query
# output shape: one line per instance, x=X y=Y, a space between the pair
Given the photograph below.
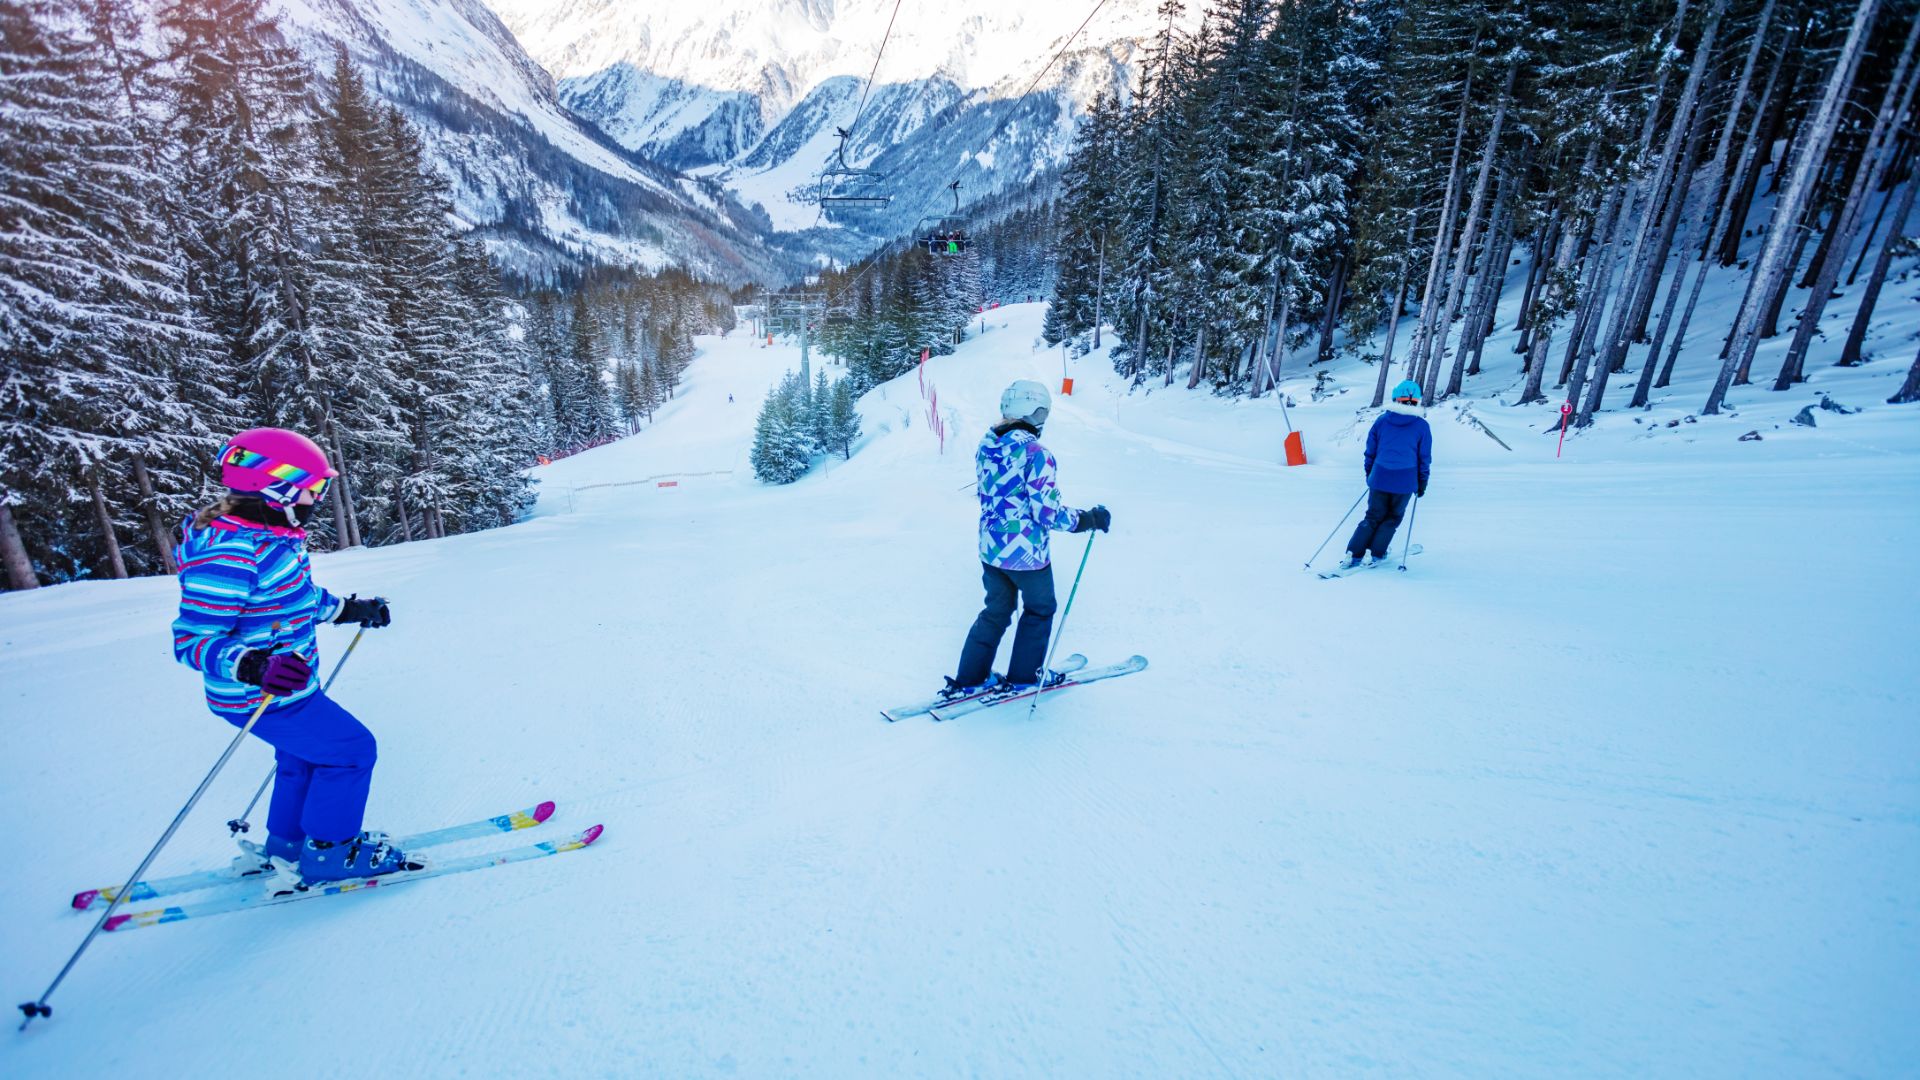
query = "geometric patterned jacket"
x=1019 y=500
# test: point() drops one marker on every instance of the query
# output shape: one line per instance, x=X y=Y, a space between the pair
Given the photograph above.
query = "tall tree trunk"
x=1442 y=234
x=1587 y=320
x=150 y=504
x=1894 y=171
x=1594 y=251
x=1543 y=327
x=1259 y=352
x=1725 y=222
x=1758 y=141
x=346 y=524
x=1771 y=264
x=1199 y=358
x=1493 y=279
x=1615 y=348
x=1489 y=275
x=1875 y=157
x=400 y=512
x=1336 y=287
x=1099 y=291
x=1277 y=356
x=116 y=563
x=1662 y=250
x=13 y=552
x=1908 y=393
x=1538 y=249
x=1553 y=288
x=1777 y=289
x=1857 y=336
x=1457 y=285
x=1396 y=308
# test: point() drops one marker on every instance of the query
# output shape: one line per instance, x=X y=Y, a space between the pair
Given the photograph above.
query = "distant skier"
x=1399 y=456
x=248 y=608
x=1019 y=505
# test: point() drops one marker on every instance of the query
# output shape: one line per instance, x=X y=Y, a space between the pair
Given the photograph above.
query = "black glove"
x=278 y=674
x=1420 y=492
x=1096 y=518
x=369 y=612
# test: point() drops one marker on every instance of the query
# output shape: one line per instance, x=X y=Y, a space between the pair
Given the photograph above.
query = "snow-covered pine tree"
x=782 y=445
x=586 y=354
x=627 y=394
x=91 y=305
x=843 y=421
x=1086 y=231
x=820 y=413
x=1142 y=198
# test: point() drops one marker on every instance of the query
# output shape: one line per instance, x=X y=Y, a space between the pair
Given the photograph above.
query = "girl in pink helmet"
x=248 y=608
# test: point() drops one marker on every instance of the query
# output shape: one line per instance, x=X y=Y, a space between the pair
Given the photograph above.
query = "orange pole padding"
x=1296 y=449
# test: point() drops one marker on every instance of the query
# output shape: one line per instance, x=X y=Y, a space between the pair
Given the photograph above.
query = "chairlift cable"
x=851 y=128
x=1064 y=45
x=874 y=259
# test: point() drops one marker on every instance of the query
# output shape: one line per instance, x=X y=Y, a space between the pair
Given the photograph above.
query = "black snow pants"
x=1034 y=590
x=1375 y=531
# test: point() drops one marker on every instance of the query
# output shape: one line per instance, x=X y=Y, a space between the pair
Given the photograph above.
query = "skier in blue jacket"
x=248 y=608
x=1020 y=505
x=1399 y=456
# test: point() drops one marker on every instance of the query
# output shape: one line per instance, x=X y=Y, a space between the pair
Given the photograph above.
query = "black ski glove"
x=1096 y=518
x=1421 y=491
x=278 y=674
x=369 y=612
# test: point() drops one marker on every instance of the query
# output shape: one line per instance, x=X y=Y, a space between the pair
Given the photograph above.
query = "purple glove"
x=278 y=674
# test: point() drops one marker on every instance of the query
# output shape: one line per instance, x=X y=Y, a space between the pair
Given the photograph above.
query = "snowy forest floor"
x=1621 y=778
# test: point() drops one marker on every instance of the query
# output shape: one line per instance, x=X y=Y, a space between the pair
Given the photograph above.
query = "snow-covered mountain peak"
x=546 y=189
x=752 y=89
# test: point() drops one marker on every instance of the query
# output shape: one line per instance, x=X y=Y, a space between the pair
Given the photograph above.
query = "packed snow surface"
x=1621 y=777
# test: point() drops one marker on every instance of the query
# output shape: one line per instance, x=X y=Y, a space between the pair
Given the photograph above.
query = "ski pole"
x=1068 y=610
x=1406 y=549
x=39 y=1008
x=1308 y=565
x=236 y=826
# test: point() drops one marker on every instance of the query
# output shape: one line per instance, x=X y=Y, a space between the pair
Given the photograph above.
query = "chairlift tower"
x=797 y=312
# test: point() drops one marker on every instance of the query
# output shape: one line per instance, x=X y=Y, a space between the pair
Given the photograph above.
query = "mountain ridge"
x=684 y=85
x=550 y=193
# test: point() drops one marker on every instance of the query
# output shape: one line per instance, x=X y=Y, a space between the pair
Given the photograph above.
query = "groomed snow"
x=1619 y=779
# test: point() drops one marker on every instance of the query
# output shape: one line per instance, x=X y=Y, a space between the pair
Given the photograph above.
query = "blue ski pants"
x=325 y=760
x=1375 y=531
x=1034 y=590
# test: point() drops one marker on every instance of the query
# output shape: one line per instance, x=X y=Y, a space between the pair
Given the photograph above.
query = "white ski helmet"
x=1026 y=400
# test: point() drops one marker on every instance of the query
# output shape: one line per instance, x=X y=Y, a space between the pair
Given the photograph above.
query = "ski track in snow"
x=1618 y=779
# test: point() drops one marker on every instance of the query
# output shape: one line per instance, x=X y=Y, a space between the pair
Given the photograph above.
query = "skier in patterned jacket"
x=248 y=608
x=1019 y=506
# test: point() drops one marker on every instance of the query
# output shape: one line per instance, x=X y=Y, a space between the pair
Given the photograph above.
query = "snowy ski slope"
x=1620 y=779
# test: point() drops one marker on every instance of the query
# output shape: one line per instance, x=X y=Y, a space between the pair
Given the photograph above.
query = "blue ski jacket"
x=245 y=586
x=1399 y=450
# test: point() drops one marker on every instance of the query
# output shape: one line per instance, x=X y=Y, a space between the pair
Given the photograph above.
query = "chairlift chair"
x=843 y=185
x=945 y=236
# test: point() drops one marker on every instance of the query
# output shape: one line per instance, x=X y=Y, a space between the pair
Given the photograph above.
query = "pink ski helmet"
x=276 y=464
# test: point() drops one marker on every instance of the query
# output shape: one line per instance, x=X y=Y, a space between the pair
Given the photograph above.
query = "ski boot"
x=278 y=857
x=1372 y=560
x=953 y=690
x=1349 y=561
x=1048 y=680
x=368 y=855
